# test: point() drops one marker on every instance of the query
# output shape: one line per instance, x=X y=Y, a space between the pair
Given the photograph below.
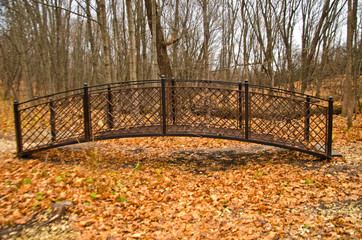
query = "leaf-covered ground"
x=183 y=188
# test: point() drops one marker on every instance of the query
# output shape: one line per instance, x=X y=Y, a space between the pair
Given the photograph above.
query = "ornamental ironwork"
x=176 y=107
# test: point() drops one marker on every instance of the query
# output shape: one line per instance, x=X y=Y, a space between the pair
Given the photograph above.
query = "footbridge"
x=176 y=107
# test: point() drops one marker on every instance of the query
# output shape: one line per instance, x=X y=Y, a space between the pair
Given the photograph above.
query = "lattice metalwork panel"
x=203 y=110
x=136 y=107
x=317 y=127
x=283 y=120
x=100 y=106
x=69 y=118
x=35 y=126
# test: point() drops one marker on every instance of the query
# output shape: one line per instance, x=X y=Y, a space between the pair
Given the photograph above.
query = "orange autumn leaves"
x=166 y=188
x=271 y=194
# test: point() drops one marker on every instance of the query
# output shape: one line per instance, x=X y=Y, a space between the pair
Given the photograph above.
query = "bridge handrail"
x=76 y=91
x=243 y=94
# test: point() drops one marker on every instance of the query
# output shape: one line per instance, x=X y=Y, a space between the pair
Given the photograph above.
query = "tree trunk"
x=139 y=21
x=348 y=97
x=154 y=40
x=102 y=21
x=206 y=39
x=175 y=33
x=144 y=45
x=163 y=59
x=93 y=78
x=245 y=32
x=131 y=33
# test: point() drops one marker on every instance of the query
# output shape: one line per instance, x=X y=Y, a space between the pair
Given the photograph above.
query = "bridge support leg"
x=19 y=140
x=87 y=126
x=329 y=128
x=246 y=109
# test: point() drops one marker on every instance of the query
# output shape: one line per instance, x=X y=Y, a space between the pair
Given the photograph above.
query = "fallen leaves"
x=191 y=188
x=257 y=199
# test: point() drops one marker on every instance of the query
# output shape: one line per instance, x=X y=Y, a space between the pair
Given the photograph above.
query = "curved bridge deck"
x=169 y=107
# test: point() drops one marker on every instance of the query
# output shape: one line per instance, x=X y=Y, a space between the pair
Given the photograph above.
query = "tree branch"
x=65 y=9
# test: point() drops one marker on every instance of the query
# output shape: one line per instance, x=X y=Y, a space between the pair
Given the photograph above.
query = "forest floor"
x=180 y=188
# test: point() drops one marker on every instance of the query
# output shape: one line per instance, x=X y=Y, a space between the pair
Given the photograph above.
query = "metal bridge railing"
x=176 y=107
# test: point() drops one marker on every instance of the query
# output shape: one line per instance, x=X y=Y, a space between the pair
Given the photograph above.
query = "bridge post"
x=329 y=127
x=87 y=130
x=246 y=109
x=19 y=140
x=163 y=99
x=307 y=119
x=52 y=120
x=109 y=107
x=173 y=84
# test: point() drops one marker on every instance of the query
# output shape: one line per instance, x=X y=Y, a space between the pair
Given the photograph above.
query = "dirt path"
x=7 y=146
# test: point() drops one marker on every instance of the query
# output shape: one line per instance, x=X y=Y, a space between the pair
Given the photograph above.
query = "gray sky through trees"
x=52 y=45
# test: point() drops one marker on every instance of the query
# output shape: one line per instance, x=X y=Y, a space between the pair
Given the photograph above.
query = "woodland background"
x=52 y=45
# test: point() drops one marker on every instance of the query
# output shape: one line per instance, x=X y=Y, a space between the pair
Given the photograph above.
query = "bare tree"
x=90 y=37
x=206 y=38
x=175 y=32
x=131 y=36
x=312 y=33
x=163 y=59
x=286 y=20
x=51 y=45
x=348 y=97
x=262 y=21
x=154 y=51
x=102 y=21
